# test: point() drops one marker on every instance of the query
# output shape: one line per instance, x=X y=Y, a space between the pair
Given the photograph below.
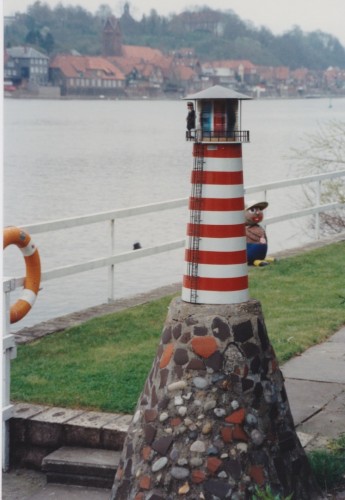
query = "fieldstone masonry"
x=213 y=421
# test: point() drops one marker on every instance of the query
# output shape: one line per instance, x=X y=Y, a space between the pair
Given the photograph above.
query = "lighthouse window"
x=220 y=116
x=206 y=116
x=231 y=115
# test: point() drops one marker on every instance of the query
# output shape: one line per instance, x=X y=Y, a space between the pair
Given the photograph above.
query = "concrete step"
x=81 y=466
x=36 y=431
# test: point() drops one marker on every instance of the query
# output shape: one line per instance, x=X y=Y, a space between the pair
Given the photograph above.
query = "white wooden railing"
x=111 y=216
x=10 y=284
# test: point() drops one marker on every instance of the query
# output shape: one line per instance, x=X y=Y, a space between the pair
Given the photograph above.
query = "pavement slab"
x=63 y=492
x=27 y=411
x=75 y=456
x=27 y=484
x=323 y=362
x=338 y=337
x=330 y=421
x=93 y=419
x=307 y=398
x=315 y=384
x=57 y=415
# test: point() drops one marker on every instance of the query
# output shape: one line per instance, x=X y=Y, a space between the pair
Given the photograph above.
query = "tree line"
x=65 y=29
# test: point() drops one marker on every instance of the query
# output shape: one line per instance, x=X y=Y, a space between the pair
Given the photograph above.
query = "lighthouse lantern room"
x=215 y=255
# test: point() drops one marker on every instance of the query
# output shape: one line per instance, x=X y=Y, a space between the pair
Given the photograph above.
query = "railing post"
x=317 y=215
x=111 y=270
x=265 y=199
x=9 y=352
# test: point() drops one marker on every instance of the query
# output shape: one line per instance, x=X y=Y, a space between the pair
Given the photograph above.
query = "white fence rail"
x=111 y=216
x=10 y=284
x=298 y=181
x=113 y=259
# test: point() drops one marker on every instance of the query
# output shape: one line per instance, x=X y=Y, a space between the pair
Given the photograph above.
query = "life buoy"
x=18 y=237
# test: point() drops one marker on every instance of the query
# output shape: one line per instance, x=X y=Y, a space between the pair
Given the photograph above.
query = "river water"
x=70 y=158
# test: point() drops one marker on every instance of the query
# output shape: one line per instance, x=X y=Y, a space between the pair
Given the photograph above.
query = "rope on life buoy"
x=15 y=236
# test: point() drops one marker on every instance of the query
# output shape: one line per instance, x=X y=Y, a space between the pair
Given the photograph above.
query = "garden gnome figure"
x=255 y=234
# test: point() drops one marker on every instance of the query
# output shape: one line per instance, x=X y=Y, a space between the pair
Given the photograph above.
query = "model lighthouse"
x=215 y=256
x=213 y=419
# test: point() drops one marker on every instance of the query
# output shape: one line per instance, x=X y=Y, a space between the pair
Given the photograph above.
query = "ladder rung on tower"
x=195 y=219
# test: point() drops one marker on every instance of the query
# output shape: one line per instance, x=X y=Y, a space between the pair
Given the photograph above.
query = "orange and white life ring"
x=18 y=237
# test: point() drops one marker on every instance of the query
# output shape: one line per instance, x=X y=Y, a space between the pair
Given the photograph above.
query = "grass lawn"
x=103 y=364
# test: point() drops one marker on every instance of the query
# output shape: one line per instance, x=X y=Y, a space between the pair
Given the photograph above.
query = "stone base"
x=213 y=420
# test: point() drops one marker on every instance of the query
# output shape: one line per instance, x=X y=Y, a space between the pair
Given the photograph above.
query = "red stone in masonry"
x=198 y=476
x=256 y=472
x=166 y=356
x=204 y=346
x=145 y=482
x=236 y=417
x=226 y=433
x=213 y=464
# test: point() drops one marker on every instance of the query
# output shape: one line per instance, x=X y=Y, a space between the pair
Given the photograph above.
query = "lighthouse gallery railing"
x=222 y=136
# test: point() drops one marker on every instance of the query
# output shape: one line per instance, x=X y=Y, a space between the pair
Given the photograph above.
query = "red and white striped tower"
x=215 y=256
x=214 y=334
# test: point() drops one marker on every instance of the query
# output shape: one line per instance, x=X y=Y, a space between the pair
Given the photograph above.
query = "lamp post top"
x=217 y=92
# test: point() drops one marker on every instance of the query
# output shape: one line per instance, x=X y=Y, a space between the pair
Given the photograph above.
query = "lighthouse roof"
x=217 y=92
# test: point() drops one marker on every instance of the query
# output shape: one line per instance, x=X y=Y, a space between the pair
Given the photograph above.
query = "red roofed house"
x=86 y=75
x=184 y=79
x=334 y=79
x=129 y=70
x=142 y=69
x=228 y=71
x=275 y=80
x=148 y=71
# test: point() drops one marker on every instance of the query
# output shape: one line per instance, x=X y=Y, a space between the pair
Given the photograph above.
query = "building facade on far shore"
x=26 y=67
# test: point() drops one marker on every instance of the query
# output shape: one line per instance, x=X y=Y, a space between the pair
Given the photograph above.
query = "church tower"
x=111 y=37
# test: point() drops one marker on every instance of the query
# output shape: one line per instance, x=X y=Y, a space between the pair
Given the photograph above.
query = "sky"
x=276 y=15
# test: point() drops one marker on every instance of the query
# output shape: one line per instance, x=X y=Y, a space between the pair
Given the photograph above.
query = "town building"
x=148 y=71
x=91 y=76
x=26 y=67
x=231 y=72
x=132 y=71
